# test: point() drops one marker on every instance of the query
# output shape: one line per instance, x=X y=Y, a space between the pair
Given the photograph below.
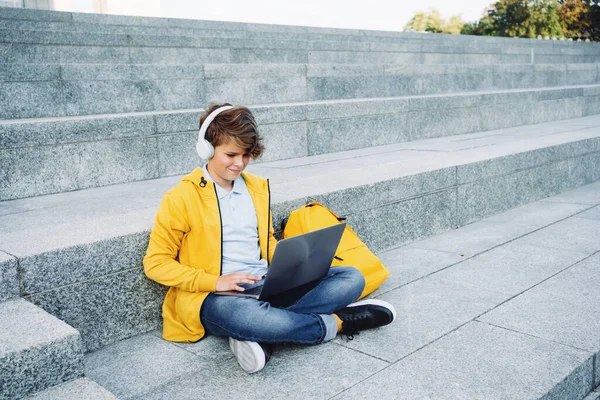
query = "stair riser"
x=9 y=284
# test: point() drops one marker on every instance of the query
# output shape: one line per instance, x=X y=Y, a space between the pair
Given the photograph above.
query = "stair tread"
x=26 y=326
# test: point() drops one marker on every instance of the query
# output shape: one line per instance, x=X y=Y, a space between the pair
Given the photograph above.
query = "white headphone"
x=204 y=148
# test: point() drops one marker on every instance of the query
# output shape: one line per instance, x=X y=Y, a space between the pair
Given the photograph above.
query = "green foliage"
x=432 y=21
x=577 y=19
x=482 y=27
x=525 y=18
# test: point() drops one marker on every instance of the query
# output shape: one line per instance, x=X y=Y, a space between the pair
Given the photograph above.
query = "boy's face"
x=228 y=163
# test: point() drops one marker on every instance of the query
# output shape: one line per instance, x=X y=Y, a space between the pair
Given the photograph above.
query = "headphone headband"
x=209 y=119
x=204 y=148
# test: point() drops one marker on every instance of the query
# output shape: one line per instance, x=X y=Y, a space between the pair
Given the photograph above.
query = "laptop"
x=299 y=263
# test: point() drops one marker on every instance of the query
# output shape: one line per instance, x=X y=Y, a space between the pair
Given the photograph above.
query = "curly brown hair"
x=236 y=124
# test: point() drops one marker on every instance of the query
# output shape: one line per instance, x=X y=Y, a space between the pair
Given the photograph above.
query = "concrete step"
x=80 y=35
x=501 y=308
x=37 y=351
x=94 y=23
x=88 y=245
x=46 y=90
x=82 y=388
x=93 y=151
x=9 y=283
x=178 y=51
x=82 y=38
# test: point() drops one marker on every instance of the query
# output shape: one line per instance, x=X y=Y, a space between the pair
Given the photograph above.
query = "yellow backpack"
x=351 y=251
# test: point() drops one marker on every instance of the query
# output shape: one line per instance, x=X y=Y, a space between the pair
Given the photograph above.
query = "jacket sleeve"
x=160 y=262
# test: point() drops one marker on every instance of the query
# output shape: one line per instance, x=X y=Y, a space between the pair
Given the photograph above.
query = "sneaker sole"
x=249 y=355
x=376 y=302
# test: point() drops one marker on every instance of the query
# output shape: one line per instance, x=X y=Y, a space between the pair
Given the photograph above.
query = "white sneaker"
x=251 y=356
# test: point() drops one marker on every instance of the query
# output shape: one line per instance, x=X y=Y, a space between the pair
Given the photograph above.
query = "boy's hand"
x=231 y=281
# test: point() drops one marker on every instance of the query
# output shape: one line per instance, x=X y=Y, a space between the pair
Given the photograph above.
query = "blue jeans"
x=245 y=318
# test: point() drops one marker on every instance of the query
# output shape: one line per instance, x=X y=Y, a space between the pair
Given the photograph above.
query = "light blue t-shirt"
x=241 y=251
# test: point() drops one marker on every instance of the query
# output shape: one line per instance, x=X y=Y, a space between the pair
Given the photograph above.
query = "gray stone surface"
x=427 y=310
x=155 y=55
x=102 y=97
x=562 y=309
x=593 y=396
x=55 y=54
x=585 y=169
x=284 y=141
x=107 y=162
x=82 y=72
x=36 y=350
x=290 y=364
x=539 y=213
x=589 y=194
x=210 y=348
x=31 y=99
x=479 y=361
x=82 y=388
x=36 y=171
x=482 y=198
x=324 y=135
x=511 y=268
x=592 y=213
x=343 y=109
x=258 y=90
x=425 y=124
x=327 y=136
x=74 y=264
x=177 y=153
x=141 y=364
x=62 y=38
x=9 y=283
x=267 y=56
x=23 y=133
x=107 y=309
x=577 y=234
x=28 y=72
x=413 y=220
x=345 y=87
x=474 y=238
x=179 y=121
x=36 y=15
x=408 y=263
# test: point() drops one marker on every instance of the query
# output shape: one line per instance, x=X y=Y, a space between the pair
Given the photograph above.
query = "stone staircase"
x=410 y=136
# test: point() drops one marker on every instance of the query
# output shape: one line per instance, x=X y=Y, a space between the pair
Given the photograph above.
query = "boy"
x=213 y=232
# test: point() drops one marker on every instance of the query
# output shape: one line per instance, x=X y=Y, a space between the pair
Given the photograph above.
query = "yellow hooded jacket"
x=185 y=249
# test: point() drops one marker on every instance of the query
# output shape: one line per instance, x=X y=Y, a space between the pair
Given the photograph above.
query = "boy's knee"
x=354 y=277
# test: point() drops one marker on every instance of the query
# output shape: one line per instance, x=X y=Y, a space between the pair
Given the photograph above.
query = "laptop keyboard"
x=253 y=290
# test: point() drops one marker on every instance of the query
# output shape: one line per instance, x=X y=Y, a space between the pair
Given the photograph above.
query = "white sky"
x=358 y=14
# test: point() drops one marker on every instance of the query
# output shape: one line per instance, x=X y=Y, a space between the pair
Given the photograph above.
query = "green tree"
x=432 y=21
x=482 y=27
x=545 y=19
x=454 y=25
x=524 y=18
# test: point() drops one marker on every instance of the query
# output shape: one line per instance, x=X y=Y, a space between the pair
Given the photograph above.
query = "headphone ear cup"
x=204 y=149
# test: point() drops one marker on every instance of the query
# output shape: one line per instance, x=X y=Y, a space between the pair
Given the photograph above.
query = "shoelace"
x=350 y=335
x=353 y=331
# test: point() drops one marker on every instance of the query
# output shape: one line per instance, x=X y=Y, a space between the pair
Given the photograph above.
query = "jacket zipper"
x=221 y=225
x=268 y=222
